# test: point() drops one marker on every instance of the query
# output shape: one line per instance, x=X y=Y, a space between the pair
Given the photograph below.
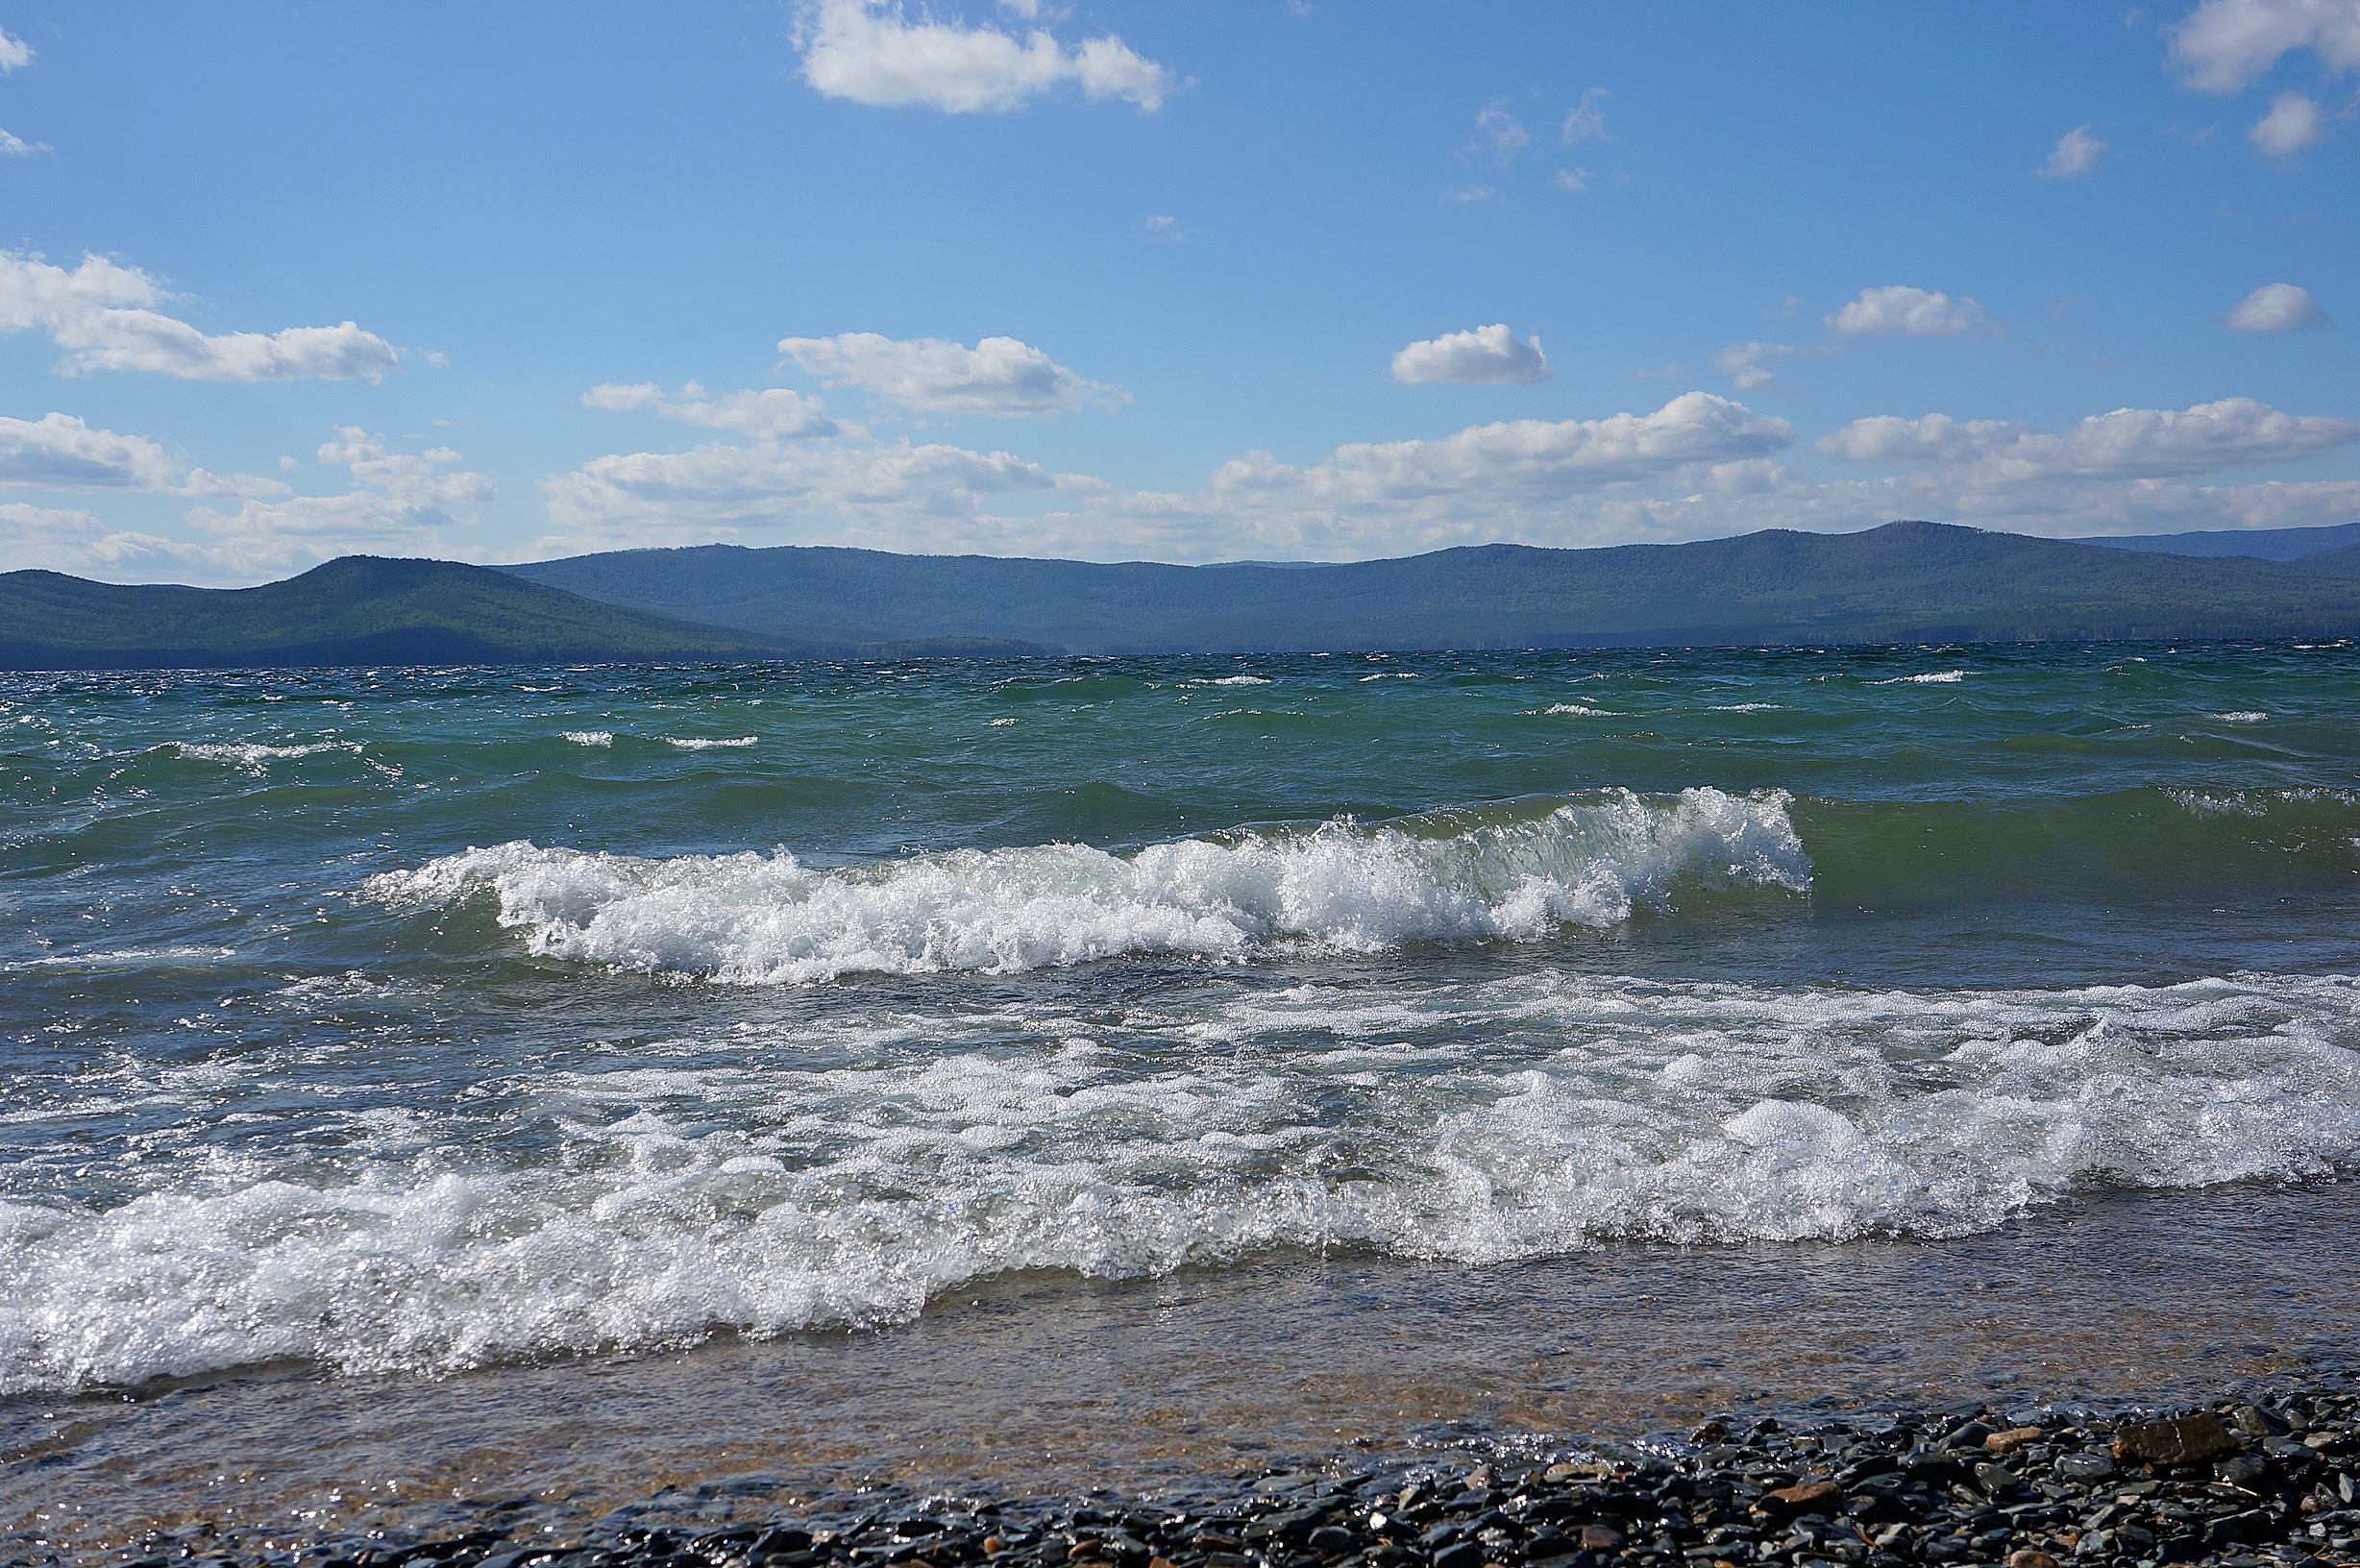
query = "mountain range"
x=1908 y=581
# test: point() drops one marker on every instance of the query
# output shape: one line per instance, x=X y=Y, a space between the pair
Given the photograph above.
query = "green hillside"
x=1906 y=581
x=358 y=611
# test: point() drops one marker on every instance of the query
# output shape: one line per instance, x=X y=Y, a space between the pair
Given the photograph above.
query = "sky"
x=1203 y=280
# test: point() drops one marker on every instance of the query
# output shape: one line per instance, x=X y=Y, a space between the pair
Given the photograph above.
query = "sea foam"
x=763 y=1182
x=768 y=918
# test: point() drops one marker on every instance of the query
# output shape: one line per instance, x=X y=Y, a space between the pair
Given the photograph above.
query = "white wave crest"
x=767 y=918
x=591 y=737
x=2246 y=716
x=252 y=755
x=1941 y=677
x=747 y=1184
x=1574 y=709
x=696 y=743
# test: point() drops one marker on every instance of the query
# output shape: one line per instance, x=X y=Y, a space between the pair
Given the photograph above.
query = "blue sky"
x=1186 y=281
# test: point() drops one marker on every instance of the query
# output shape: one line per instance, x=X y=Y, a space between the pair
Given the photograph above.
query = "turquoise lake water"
x=389 y=1027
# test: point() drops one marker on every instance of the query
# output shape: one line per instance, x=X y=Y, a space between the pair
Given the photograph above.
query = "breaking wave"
x=1516 y=871
x=748 y=1184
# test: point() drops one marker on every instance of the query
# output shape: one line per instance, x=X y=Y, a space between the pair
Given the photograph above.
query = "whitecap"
x=2246 y=716
x=591 y=737
x=696 y=743
x=1939 y=677
x=1481 y=1122
x=252 y=755
x=767 y=919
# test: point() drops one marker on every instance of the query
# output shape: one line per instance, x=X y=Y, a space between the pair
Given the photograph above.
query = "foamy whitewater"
x=411 y=1022
x=766 y=918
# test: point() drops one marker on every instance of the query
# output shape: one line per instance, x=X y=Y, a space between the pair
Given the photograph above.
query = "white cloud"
x=69 y=539
x=99 y=312
x=2293 y=122
x=2276 y=308
x=1898 y=310
x=772 y=414
x=2129 y=443
x=1471 y=193
x=2075 y=154
x=411 y=478
x=870 y=52
x=1585 y=121
x=15 y=146
x=1747 y=365
x=1574 y=179
x=1500 y=134
x=58 y=451
x=1525 y=458
x=2224 y=46
x=1489 y=355
x=905 y=490
x=14 y=54
x=403 y=511
x=1162 y=226
x=999 y=378
x=1520 y=479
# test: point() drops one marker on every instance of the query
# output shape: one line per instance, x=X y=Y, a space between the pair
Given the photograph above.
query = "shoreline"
x=2241 y=1481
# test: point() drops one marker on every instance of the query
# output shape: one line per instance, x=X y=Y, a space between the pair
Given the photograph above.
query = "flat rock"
x=1805 y=1495
x=2181 y=1440
x=2013 y=1438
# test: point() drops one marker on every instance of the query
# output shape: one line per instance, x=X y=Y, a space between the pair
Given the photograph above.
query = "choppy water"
x=396 y=1024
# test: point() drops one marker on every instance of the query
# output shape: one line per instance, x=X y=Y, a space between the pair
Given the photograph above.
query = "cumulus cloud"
x=1747 y=365
x=71 y=539
x=868 y=52
x=402 y=508
x=2127 y=443
x=1520 y=479
x=2225 y=45
x=1488 y=354
x=100 y=313
x=2293 y=123
x=58 y=451
x=2276 y=308
x=14 y=55
x=897 y=492
x=1523 y=459
x=999 y=378
x=772 y=414
x=2076 y=154
x=1899 y=311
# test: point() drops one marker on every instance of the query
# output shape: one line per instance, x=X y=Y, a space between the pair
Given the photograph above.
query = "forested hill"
x=357 y=610
x=1906 y=581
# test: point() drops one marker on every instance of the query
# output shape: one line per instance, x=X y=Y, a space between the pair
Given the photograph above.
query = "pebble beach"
x=2272 y=1478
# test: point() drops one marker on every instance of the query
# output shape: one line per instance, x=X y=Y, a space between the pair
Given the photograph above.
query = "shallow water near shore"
x=817 y=1070
x=1047 y=1387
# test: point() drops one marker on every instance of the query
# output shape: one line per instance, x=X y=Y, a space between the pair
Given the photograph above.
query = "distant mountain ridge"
x=361 y=609
x=2268 y=544
x=1906 y=581
x=1903 y=582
